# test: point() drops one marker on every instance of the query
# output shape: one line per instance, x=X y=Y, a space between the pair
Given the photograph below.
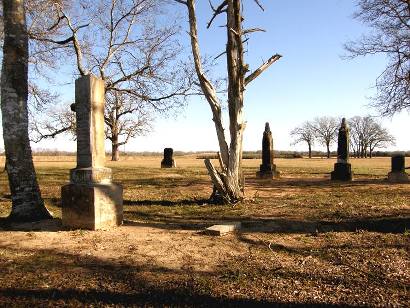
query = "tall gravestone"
x=398 y=173
x=268 y=168
x=168 y=161
x=342 y=169
x=91 y=200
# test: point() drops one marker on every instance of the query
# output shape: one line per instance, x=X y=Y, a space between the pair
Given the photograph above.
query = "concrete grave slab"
x=223 y=229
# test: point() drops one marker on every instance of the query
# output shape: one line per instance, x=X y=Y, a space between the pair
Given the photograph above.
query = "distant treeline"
x=214 y=155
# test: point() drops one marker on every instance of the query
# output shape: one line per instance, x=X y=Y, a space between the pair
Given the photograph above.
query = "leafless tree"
x=58 y=120
x=228 y=181
x=126 y=44
x=368 y=134
x=390 y=22
x=357 y=141
x=325 y=130
x=27 y=203
x=304 y=133
x=124 y=120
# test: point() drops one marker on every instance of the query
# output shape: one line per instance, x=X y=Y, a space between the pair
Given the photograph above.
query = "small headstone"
x=91 y=200
x=398 y=173
x=168 y=161
x=268 y=168
x=342 y=169
x=223 y=229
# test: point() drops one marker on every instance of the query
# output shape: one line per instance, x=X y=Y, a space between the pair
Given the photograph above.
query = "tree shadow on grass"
x=271 y=225
x=166 y=202
x=79 y=280
x=47 y=225
x=314 y=182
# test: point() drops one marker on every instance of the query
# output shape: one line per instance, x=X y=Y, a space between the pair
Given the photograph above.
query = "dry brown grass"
x=305 y=240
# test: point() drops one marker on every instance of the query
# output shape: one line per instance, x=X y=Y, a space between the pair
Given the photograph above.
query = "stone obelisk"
x=343 y=169
x=91 y=200
x=268 y=168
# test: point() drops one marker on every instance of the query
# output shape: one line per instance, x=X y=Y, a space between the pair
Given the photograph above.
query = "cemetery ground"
x=304 y=240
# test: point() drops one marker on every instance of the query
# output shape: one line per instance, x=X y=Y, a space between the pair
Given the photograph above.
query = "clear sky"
x=311 y=80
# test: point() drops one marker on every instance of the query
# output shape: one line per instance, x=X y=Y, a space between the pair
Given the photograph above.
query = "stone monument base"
x=398 y=177
x=93 y=206
x=268 y=172
x=168 y=164
x=342 y=172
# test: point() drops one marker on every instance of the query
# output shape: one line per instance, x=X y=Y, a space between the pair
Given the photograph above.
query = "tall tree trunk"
x=229 y=181
x=27 y=204
x=328 y=149
x=234 y=51
x=310 y=150
x=115 y=152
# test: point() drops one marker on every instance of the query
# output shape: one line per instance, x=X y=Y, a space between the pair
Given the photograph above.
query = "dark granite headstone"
x=342 y=169
x=397 y=163
x=343 y=143
x=168 y=161
x=398 y=173
x=268 y=168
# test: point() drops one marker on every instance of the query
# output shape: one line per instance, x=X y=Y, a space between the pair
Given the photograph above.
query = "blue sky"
x=311 y=80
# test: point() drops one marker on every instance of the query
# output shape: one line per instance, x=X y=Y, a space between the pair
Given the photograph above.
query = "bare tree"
x=58 y=120
x=228 y=182
x=390 y=22
x=27 y=204
x=132 y=50
x=304 y=133
x=124 y=120
x=326 y=129
x=356 y=135
x=368 y=134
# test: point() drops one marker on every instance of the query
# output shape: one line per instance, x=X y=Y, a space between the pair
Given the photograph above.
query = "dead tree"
x=27 y=204
x=228 y=181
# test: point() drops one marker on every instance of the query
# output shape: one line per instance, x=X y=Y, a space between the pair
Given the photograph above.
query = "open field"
x=305 y=240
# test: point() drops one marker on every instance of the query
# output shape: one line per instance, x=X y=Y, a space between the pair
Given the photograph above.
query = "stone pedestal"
x=168 y=161
x=268 y=172
x=94 y=207
x=91 y=200
x=342 y=172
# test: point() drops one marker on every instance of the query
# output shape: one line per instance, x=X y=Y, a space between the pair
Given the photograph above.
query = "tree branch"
x=262 y=68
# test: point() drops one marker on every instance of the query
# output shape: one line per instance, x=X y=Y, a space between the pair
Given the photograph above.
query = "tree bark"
x=328 y=149
x=115 y=149
x=27 y=204
x=310 y=150
x=115 y=155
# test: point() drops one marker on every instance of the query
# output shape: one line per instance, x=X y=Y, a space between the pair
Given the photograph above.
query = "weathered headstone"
x=343 y=169
x=268 y=168
x=398 y=173
x=91 y=200
x=168 y=161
